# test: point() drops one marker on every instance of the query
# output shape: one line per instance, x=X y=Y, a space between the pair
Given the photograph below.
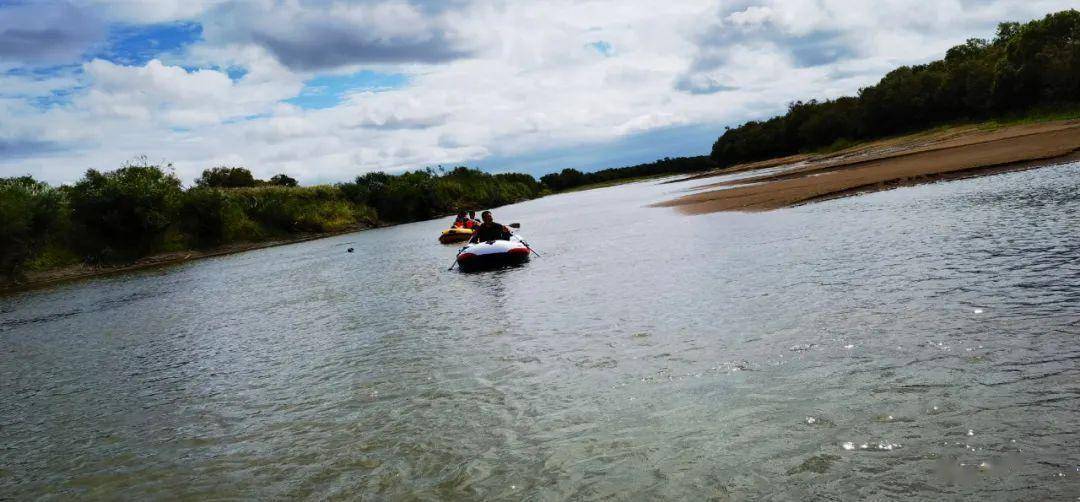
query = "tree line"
x=1025 y=68
x=572 y=178
x=142 y=209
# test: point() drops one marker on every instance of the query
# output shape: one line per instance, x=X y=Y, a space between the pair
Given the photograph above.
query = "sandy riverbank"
x=919 y=158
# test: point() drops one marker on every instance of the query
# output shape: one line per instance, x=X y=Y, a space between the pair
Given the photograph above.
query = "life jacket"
x=470 y=223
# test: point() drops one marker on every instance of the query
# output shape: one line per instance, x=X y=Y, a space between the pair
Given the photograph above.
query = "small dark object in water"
x=818 y=464
x=348 y=250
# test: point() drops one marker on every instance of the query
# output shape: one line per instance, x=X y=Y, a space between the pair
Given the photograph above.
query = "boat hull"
x=493 y=254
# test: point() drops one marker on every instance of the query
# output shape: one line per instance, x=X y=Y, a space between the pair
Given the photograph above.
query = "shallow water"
x=916 y=343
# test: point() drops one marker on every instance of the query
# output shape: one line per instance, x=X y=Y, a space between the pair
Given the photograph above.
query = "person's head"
x=486 y=215
x=472 y=214
x=461 y=214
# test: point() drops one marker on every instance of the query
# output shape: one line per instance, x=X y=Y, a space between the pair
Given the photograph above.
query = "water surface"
x=917 y=343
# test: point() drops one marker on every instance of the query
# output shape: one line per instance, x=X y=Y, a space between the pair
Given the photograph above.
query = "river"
x=917 y=343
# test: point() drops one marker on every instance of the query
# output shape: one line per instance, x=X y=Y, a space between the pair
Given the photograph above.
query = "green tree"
x=226 y=177
x=283 y=180
x=123 y=214
x=30 y=212
x=212 y=216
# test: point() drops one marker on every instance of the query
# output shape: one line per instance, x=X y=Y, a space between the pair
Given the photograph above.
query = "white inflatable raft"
x=493 y=254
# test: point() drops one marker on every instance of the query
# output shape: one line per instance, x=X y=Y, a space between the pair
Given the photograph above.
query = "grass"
x=53 y=256
x=1033 y=116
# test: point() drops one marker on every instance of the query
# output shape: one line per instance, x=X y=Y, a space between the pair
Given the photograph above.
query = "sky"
x=327 y=90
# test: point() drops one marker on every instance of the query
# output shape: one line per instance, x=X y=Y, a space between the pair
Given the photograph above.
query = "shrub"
x=212 y=216
x=282 y=180
x=419 y=195
x=30 y=212
x=226 y=177
x=299 y=209
x=124 y=213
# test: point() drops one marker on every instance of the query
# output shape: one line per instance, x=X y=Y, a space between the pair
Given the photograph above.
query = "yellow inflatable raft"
x=456 y=234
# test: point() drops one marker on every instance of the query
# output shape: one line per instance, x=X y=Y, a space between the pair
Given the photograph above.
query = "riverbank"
x=951 y=153
x=80 y=271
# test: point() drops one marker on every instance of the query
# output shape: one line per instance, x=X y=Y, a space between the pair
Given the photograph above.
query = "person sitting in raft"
x=472 y=218
x=461 y=221
x=489 y=230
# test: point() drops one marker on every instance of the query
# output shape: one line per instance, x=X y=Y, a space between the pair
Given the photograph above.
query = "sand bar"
x=928 y=157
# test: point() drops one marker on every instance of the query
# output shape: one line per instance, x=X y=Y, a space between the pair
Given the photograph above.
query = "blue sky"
x=638 y=148
x=325 y=90
x=132 y=44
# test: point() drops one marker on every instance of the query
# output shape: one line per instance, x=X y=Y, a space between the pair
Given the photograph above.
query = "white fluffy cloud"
x=171 y=96
x=485 y=78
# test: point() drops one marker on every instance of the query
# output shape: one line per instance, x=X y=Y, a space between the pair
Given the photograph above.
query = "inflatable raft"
x=493 y=254
x=456 y=234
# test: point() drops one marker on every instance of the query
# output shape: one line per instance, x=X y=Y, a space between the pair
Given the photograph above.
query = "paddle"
x=455 y=259
x=518 y=225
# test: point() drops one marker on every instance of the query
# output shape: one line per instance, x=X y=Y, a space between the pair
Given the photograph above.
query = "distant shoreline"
x=958 y=152
x=37 y=279
x=81 y=271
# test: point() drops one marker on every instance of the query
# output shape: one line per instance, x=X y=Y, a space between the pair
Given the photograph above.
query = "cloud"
x=761 y=28
x=172 y=96
x=288 y=85
x=151 y=12
x=41 y=34
x=38 y=84
x=820 y=48
x=28 y=128
x=392 y=110
x=395 y=122
x=700 y=84
x=16 y=148
x=309 y=37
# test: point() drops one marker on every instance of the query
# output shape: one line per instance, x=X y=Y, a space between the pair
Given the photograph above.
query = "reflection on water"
x=919 y=342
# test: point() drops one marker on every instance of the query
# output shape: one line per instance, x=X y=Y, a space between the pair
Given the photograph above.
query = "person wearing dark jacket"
x=489 y=230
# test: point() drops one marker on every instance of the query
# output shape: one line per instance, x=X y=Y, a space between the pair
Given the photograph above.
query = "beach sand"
x=880 y=165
